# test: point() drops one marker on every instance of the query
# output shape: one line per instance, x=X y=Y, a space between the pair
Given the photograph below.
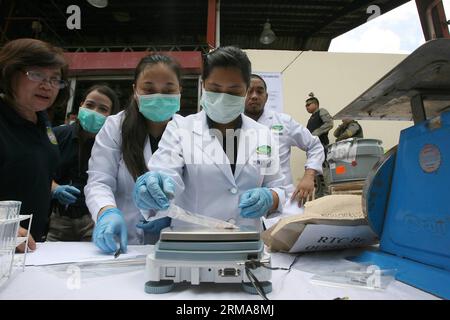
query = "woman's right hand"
x=31 y=243
x=110 y=225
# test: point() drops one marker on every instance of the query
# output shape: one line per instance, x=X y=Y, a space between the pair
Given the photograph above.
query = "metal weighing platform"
x=196 y=254
x=406 y=196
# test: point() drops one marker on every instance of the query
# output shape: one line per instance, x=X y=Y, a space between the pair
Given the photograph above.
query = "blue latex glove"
x=255 y=203
x=153 y=190
x=65 y=194
x=110 y=225
x=154 y=226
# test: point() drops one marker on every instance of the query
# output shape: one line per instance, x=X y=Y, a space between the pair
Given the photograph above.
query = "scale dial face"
x=430 y=158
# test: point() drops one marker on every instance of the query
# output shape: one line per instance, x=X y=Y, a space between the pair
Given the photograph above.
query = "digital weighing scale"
x=199 y=254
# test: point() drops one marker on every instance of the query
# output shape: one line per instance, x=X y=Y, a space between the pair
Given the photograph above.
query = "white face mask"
x=222 y=107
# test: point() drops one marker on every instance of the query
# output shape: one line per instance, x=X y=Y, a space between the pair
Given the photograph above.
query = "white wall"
x=336 y=80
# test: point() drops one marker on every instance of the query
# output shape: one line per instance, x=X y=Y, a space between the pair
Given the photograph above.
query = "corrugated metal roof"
x=299 y=25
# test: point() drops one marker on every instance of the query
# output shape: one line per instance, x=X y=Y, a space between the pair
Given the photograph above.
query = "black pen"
x=118 y=252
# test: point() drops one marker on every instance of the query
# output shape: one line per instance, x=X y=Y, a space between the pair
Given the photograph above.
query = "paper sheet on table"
x=48 y=253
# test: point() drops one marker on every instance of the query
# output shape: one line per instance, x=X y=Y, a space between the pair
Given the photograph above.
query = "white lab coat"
x=109 y=181
x=293 y=134
x=205 y=184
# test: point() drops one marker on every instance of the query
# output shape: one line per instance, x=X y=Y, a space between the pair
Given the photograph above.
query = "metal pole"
x=218 y=24
x=5 y=28
x=417 y=109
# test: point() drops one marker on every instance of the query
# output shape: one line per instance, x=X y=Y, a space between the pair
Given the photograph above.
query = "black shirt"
x=154 y=142
x=72 y=170
x=237 y=125
x=29 y=156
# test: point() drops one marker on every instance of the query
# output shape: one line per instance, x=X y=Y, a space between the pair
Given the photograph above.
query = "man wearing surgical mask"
x=70 y=219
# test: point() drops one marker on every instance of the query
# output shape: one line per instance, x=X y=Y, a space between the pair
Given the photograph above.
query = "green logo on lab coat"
x=267 y=150
x=277 y=129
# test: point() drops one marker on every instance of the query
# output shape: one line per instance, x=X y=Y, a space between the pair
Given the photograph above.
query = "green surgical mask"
x=159 y=107
x=91 y=121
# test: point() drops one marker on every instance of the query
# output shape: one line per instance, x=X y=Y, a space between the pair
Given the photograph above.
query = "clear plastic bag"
x=97 y=269
x=367 y=277
x=176 y=212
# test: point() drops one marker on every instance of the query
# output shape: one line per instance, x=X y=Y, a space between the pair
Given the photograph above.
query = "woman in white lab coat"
x=218 y=162
x=123 y=148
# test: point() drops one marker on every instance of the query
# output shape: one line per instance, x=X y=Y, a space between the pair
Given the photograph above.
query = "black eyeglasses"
x=39 y=77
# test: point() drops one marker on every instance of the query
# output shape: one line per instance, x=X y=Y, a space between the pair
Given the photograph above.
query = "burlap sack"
x=337 y=210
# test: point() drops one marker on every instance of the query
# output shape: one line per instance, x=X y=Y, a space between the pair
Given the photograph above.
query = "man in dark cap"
x=319 y=124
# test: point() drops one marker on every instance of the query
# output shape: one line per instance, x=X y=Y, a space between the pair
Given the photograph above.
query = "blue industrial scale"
x=407 y=195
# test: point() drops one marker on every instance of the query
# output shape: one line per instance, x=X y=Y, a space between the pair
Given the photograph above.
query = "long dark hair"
x=134 y=126
x=19 y=54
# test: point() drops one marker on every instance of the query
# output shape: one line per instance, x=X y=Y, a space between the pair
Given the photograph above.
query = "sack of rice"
x=328 y=223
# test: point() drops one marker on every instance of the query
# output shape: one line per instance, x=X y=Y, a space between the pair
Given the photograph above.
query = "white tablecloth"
x=56 y=282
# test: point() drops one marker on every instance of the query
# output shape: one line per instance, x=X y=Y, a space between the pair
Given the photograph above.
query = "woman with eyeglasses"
x=70 y=219
x=33 y=78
